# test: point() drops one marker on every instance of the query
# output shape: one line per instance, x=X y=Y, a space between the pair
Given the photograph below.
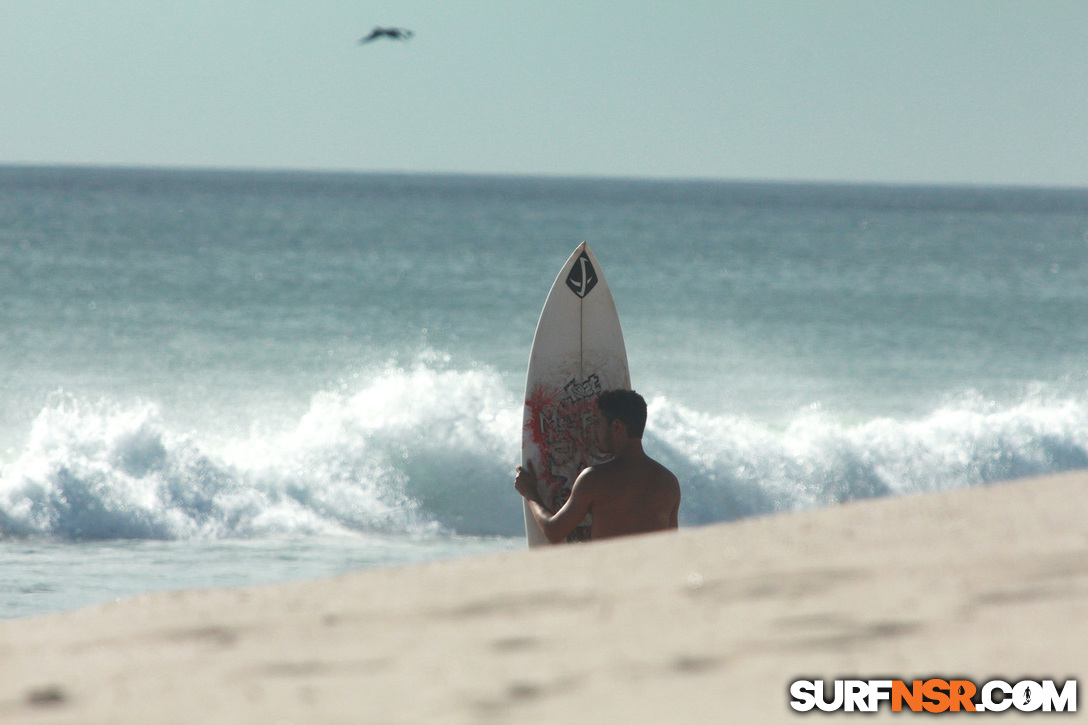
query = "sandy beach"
x=706 y=625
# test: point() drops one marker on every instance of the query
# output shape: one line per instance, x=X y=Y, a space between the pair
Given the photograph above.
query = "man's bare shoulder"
x=646 y=469
x=597 y=473
x=655 y=469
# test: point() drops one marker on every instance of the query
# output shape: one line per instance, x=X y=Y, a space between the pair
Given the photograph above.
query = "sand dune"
x=706 y=625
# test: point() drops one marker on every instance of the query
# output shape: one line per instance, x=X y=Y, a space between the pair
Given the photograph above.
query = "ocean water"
x=223 y=378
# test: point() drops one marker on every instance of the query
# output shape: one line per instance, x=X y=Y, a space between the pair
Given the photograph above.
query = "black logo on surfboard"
x=582 y=278
x=588 y=388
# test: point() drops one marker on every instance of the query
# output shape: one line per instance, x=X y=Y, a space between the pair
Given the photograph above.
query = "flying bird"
x=391 y=33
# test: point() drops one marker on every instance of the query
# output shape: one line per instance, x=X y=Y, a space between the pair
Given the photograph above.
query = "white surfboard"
x=578 y=352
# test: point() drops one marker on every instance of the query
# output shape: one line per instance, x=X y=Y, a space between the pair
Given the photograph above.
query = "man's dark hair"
x=626 y=406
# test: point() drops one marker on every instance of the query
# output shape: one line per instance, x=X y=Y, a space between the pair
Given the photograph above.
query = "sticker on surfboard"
x=582 y=278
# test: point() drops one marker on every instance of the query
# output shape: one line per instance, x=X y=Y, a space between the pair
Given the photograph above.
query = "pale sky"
x=928 y=91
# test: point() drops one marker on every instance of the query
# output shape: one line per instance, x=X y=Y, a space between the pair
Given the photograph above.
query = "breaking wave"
x=429 y=451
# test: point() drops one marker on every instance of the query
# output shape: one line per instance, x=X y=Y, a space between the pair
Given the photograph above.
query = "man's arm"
x=557 y=526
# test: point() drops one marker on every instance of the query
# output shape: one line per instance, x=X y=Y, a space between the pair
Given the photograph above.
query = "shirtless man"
x=629 y=494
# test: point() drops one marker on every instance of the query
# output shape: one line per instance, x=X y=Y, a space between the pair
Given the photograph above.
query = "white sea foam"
x=428 y=449
x=415 y=451
x=732 y=467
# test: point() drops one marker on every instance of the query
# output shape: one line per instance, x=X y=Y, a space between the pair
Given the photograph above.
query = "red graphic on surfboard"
x=562 y=428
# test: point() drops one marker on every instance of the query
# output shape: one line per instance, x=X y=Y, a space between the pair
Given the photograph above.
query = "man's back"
x=632 y=496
